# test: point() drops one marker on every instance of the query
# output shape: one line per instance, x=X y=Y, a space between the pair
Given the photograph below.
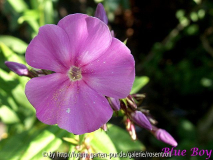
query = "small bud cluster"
x=141 y=117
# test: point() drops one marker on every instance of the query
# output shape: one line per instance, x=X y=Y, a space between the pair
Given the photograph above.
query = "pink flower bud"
x=114 y=103
x=101 y=14
x=141 y=120
x=17 y=68
x=165 y=137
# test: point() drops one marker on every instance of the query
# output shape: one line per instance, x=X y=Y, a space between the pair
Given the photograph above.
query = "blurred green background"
x=172 y=42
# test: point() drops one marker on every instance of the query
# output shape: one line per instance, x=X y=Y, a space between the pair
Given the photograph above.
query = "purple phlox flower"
x=165 y=137
x=114 y=103
x=141 y=120
x=17 y=68
x=101 y=13
x=83 y=55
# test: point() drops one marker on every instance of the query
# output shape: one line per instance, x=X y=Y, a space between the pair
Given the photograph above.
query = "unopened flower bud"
x=101 y=14
x=138 y=96
x=112 y=33
x=141 y=120
x=131 y=102
x=131 y=129
x=114 y=103
x=17 y=68
x=104 y=127
x=165 y=137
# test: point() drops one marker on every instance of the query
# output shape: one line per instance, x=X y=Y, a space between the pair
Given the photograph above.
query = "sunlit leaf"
x=5 y=76
x=10 y=55
x=139 y=83
x=20 y=97
x=7 y=115
x=35 y=26
x=102 y=143
x=29 y=15
x=30 y=145
x=73 y=150
x=18 y=5
x=71 y=140
x=81 y=138
x=48 y=11
x=17 y=45
x=34 y=4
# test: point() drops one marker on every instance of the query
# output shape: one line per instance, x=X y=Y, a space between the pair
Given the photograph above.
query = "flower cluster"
x=140 y=117
x=80 y=74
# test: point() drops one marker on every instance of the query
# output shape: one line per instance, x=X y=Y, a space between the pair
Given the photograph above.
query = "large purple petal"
x=113 y=73
x=72 y=105
x=84 y=110
x=46 y=95
x=89 y=37
x=76 y=28
x=49 y=49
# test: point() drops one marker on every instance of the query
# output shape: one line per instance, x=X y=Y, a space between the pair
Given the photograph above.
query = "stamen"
x=74 y=73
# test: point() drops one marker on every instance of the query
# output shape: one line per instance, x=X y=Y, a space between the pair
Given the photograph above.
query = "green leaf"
x=32 y=145
x=10 y=55
x=35 y=26
x=14 y=146
x=34 y=4
x=18 y=5
x=7 y=115
x=81 y=138
x=73 y=150
x=48 y=12
x=31 y=17
x=71 y=140
x=139 y=83
x=103 y=144
x=20 y=97
x=16 y=44
x=122 y=140
x=5 y=76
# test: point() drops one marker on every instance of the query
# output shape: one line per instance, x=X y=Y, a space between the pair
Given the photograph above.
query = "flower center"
x=74 y=73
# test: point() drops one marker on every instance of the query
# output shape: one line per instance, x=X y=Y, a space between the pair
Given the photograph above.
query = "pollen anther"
x=74 y=73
